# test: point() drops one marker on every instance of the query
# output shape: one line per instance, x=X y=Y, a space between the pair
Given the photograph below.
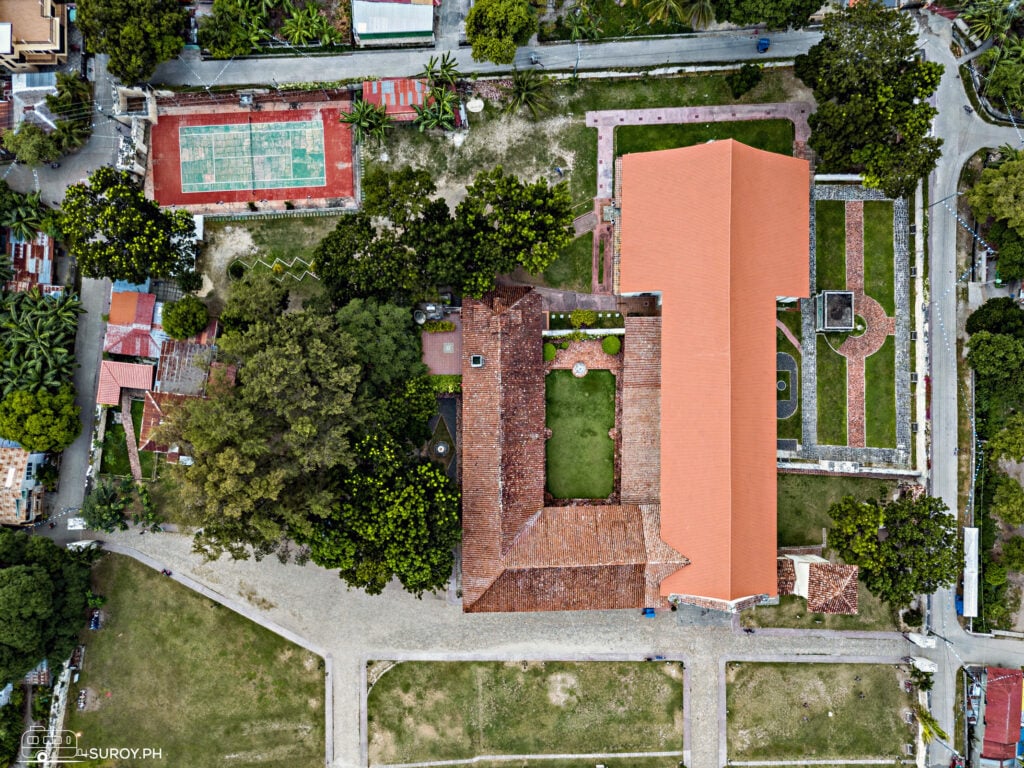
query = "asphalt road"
x=188 y=69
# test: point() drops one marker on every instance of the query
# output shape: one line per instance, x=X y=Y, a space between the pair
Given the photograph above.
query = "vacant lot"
x=793 y=711
x=580 y=454
x=173 y=670
x=456 y=710
x=803 y=502
x=769 y=135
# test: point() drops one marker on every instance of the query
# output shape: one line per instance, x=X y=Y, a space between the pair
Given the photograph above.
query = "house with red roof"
x=1003 y=689
x=130 y=326
x=714 y=233
x=115 y=376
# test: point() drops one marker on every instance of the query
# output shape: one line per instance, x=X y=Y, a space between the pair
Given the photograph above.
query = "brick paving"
x=606 y=121
x=590 y=354
x=129 y=436
x=787 y=333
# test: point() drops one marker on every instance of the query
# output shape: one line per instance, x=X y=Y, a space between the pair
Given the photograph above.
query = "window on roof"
x=476 y=361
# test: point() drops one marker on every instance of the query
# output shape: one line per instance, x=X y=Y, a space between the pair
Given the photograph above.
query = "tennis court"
x=249 y=156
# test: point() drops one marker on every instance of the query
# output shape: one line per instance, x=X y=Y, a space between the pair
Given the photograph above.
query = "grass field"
x=803 y=502
x=608 y=762
x=173 y=670
x=115 y=449
x=769 y=135
x=791 y=428
x=879 y=254
x=831 y=380
x=283 y=238
x=830 y=244
x=791 y=612
x=580 y=455
x=794 y=711
x=422 y=711
x=880 y=400
x=571 y=270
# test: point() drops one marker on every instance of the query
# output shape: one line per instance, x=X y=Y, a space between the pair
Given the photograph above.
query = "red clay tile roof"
x=442 y=352
x=117 y=376
x=720 y=230
x=155 y=407
x=517 y=554
x=130 y=341
x=832 y=588
x=130 y=308
x=786 y=575
x=1002 y=713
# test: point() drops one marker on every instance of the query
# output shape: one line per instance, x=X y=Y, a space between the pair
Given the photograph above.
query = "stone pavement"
x=606 y=121
x=350 y=627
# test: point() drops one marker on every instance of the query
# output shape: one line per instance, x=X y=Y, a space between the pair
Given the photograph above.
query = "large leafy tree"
x=115 y=231
x=41 y=420
x=495 y=28
x=1008 y=502
x=997 y=358
x=136 y=34
x=185 y=318
x=257 y=296
x=999 y=315
x=396 y=517
x=386 y=344
x=904 y=548
x=42 y=602
x=1000 y=194
x=872 y=92
x=31 y=144
x=1009 y=441
x=232 y=29
x=776 y=14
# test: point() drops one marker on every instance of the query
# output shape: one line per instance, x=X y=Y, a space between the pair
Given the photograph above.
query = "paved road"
x=697 y=49
x=964 y=134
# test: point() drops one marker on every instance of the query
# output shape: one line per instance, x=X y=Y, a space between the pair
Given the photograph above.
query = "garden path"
x=129 y=436
x=590 y=354
x=878 y=325
x=787 y=333
x=606 y=121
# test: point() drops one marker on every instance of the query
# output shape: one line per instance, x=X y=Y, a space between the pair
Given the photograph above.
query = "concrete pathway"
x=606 y=121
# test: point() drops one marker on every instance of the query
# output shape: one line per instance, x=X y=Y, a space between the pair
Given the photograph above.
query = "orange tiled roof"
x=720 y=230
x=154 y=407
x=130 y=308
x=117 y=376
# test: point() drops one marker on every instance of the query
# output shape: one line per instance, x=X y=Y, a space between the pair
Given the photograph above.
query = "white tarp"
x=802 y=566
x=970 y=572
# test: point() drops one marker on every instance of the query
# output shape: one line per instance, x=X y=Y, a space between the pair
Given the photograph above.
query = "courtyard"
x=580 y=453
x=421 y=711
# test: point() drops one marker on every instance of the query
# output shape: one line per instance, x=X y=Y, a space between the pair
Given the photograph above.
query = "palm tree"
x=72 y=134
x=429 y=73
x=663 y=10
x=300 y=27
x=530 y=89
x=988 y=18
x=699 y=14
x=439 y=111
x=368 y=121
x=582 y=24
x=24 y=217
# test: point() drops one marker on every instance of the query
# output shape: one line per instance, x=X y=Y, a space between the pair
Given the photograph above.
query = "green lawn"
x=805 y=711
x=791 y=320
x=791 y=428
x=419 y=711
x=580 y=454
x=173 y=670
x=115 y=449
x=791 y=612
x=630 y=762
x=571 y=270
x=831 y=395
x=770 y=135
x=830 y=244
x=803 y=502
x=879 y=254
x=283 y=238
x=880 y=396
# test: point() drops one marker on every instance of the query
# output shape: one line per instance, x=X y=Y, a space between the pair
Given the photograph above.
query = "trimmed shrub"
x=446 y=384
x=549 y=352
x=611 y=345
x=185 y=317
x=236 y=271
x=582 y=318
x=438 y=326
x=743 y=80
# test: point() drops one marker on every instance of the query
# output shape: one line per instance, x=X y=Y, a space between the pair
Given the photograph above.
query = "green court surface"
x=240 y=156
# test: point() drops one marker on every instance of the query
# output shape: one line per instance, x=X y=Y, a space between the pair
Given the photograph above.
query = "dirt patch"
x=223 y=246
x=561 y=688
x=382 y=747
x=673 y=669
x=285 y=654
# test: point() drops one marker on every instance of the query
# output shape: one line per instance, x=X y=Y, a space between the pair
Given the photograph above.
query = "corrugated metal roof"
x=369 y=18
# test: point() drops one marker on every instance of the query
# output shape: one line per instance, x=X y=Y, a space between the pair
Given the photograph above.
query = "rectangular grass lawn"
x=816 y=711
x=830 y=244
x=769 y=135
x=571 y=270
x=880 y=400
x=421 y=711
x=803 y=502
x=173 y=670
x=791 y=428
x=580 y=454
x=831 y=395
x=879 y=254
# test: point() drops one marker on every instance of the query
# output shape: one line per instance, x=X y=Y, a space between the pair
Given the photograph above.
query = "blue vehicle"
x=763 y=44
